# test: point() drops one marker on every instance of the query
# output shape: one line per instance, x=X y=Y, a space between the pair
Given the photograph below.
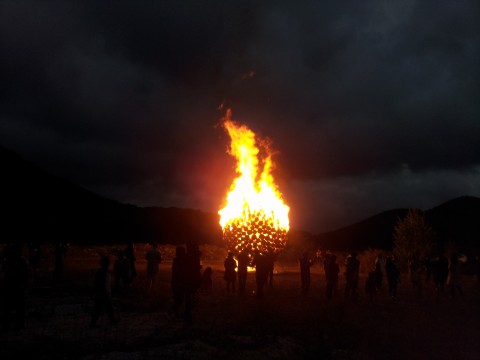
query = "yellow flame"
x=255 y=216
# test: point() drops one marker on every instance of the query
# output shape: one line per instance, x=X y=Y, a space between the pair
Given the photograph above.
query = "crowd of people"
x=117 y=271
x=236 y=267
x=442 y=271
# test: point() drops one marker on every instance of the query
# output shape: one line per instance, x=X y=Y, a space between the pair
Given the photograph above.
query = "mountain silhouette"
x=40 y=207
x=455 y=222
x=374 y=232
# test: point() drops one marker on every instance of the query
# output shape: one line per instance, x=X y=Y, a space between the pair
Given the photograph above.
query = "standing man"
x=179 y=279
x=331 y=274
x=453 y=280
x=130 y=255
x=230 y=276
x=379 y=270
x=193 y=279
x=272 y=257
x=243 y=262
x=305 y=264
x=260 y=262
x=352 y=273
x=154 y=258
x=393 y=276
x=102 y=293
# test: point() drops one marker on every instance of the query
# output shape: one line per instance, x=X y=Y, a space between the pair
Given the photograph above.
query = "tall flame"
x=255 y=218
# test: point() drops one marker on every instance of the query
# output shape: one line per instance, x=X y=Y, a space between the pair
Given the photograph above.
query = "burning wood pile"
x=255 y=218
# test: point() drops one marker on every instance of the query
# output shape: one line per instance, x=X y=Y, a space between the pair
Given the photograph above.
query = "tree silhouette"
x=413 y=236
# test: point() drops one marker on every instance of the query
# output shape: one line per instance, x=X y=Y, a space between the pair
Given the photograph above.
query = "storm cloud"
x=370 y=105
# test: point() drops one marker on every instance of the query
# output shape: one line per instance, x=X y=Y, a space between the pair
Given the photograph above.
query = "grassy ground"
x=282 y=325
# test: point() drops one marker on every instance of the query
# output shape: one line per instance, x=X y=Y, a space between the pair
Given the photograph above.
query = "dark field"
x=282 y=325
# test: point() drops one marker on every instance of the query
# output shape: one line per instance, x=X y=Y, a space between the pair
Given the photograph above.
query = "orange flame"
x=255 y=218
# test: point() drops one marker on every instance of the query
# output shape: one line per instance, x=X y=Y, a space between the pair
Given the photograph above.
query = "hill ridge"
x=38 y=206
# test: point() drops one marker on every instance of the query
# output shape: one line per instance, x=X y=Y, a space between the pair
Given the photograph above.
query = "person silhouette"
x=352 y=272
x=122 y=271
x=193 y=279
x=261 y=264
x=230 y=274
x=305 y=264
x=154 y=258
x=272 y=256
x=428 y=269
x=179 y=279
x=243 y=263
x=414 y=274
x=129 y=252
x=440 y=273
x=379 y=270
x=393 y=276
x=371 y=285
x=453 y=280
x=331 y=273
x=102 y=293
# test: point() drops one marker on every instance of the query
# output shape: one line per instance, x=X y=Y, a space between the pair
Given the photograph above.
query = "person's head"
x=230 y=254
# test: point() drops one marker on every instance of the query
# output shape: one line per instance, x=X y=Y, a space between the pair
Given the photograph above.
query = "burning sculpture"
x=255 y=218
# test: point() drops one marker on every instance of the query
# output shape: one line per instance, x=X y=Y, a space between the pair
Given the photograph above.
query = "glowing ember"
x=255 y=218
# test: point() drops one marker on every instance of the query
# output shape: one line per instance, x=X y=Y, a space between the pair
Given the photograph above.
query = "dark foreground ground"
x=282 y=325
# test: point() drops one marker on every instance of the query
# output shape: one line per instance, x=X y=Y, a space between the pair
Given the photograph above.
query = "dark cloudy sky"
x=371 y=105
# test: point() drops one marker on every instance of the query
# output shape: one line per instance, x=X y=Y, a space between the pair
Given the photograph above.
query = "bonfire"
x=254 y=218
